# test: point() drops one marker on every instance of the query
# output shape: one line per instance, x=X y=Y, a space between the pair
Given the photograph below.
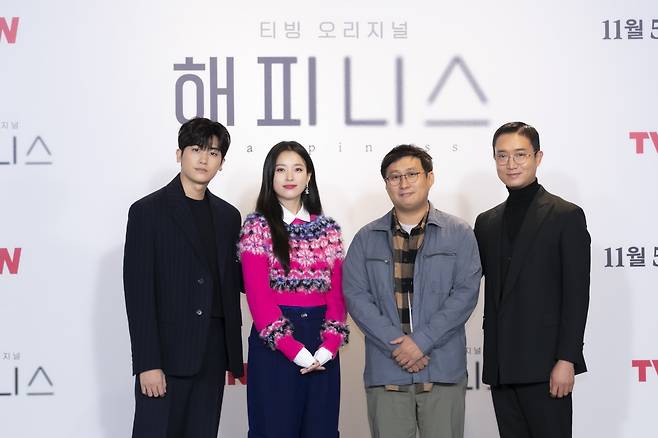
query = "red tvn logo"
x=642 y=365
x=9 y=31
x=639 y=138
x=11 y=261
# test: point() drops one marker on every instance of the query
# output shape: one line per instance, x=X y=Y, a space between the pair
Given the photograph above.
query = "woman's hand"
x=315 y=367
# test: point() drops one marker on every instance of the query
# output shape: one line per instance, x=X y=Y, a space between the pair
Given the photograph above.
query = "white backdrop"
x=88 y=124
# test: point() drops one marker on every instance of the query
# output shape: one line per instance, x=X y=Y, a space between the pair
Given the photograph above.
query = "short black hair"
x=520 y=128
x=406 y=150
x=200 y=132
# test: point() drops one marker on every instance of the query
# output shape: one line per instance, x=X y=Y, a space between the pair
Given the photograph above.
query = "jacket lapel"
x=182 y=215
x=532 y=223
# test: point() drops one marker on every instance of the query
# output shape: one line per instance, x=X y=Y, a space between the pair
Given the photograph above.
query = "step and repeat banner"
x=93 y=94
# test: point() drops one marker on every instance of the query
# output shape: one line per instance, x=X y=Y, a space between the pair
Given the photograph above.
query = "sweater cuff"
x=334 y=335
x=275 y=331
x=278 y=336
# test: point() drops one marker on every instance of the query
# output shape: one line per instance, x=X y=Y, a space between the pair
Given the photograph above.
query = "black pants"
x=192 y=405
x=528 y=411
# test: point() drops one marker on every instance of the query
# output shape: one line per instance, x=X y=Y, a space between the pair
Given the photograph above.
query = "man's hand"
x=153 y=383
x=407 y=353
x=562 y=379
x=419 y=365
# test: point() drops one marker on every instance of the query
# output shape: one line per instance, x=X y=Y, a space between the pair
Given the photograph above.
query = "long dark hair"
x=268 y=203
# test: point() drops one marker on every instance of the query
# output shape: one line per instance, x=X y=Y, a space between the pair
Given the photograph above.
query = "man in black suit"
x=535 y=252
x=182 y=285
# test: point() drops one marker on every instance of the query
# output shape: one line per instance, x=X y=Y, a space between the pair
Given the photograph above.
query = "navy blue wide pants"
x=281 y=402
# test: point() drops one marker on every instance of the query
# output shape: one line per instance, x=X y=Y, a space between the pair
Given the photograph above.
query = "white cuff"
x=304 y=358
x=323 y=355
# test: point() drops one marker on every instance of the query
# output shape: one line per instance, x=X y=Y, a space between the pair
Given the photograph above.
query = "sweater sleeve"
x=254 y=249
x=335 y=332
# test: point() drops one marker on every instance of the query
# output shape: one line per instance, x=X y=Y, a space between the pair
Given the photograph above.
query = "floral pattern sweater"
x=314 y=279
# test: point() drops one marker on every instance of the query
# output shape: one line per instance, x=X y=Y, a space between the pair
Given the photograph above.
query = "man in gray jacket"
x=411 y=280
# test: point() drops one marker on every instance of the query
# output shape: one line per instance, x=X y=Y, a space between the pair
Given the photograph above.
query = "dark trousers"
x=281 y=402
x=192 y=405
x=528 y=411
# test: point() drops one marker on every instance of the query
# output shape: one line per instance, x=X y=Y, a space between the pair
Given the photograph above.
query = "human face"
x=290 y=179
x=198 y=165
x=409 y=197
x=512 y=174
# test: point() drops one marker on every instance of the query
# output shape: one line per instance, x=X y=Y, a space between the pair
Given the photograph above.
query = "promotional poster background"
x=95 y=82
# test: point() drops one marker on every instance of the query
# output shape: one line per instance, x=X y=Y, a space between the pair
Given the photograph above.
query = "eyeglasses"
x=519 y=157
x=411 y=177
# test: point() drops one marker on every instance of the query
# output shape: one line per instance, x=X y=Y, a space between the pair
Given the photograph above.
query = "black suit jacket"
x=536 y=315
x=169 y=286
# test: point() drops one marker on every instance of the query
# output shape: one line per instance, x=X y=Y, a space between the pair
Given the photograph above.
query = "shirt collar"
x=289 y=216
x=395 y=223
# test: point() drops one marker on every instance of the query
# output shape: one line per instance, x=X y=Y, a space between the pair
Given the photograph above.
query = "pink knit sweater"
x=315 y=279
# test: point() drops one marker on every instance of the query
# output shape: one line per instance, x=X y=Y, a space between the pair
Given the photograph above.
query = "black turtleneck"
x=516 y=207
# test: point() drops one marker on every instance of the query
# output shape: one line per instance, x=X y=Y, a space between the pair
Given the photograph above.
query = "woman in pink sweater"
x=291 y=262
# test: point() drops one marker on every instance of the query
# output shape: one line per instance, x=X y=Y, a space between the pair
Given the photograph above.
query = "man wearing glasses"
x=535 y=252
x=411 y=280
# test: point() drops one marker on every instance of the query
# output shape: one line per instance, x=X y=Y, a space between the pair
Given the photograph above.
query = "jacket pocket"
x=439 y=267
x=380 y=278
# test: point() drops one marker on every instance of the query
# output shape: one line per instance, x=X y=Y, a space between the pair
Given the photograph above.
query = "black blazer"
x=169 y=286
x=540 y=315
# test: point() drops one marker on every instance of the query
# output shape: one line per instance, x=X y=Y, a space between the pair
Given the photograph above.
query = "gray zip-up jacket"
x=446 y=282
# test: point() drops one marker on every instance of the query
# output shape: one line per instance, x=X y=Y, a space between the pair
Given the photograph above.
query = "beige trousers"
x=438 y=413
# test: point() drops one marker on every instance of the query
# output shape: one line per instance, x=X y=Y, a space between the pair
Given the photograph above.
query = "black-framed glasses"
x=411 y=177
x=519 y=157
